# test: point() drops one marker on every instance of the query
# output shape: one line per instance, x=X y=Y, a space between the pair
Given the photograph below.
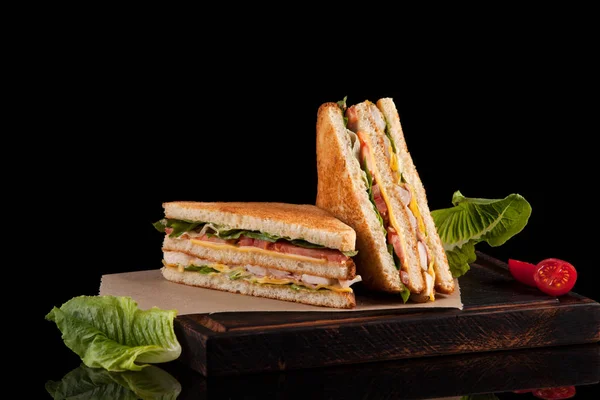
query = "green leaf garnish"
x=110 y=332
x=237 y=274
x=96 y=383
x=237 y=233
x=180 y=227
x=389 y=135
x=160 y=225
x=342 y=103
x=474 y=220
x=405 y=293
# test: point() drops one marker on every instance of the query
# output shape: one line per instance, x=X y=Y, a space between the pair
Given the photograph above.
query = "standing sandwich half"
x=366 y=178
x=281 y=251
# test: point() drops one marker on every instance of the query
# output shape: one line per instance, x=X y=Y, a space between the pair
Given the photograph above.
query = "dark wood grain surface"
x=417 y=378
x=499 y=314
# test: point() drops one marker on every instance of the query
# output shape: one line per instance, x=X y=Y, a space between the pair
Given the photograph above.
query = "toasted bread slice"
x=444 y=281
x=294 y=221
x=223 y=281
x=342 y=191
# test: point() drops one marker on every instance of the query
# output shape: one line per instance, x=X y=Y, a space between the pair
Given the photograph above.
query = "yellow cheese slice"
x=336 y=289
x=415 y=210
x=220 y=267
x=274 y=281
x=431 y=272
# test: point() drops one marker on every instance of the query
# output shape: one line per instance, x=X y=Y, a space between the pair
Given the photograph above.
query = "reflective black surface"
x=501 y=374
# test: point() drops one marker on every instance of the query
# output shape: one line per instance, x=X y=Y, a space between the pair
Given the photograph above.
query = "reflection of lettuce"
x=98 y=384
x=112 y=333
x=473 y=220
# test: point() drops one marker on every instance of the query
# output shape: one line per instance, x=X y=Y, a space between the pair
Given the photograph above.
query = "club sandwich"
x=367 y=179
x=281 y=251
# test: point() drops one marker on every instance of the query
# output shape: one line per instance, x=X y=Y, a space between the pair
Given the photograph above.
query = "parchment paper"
x=149 y=288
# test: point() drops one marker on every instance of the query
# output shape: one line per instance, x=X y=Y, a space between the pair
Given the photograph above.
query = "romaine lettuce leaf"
x=229 y=234
x=342 y=105
x=459 y=259
x=96 y=383
x=202 y=269
x=111 y=332
x=390 y=248
x=304 y=243
x=405 y=293
x=474 y=220
x=160 y=225
x=179 y=226
x=388 y=133
x=237 y=274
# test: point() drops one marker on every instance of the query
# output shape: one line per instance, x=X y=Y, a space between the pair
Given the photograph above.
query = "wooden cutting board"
x=418 y=378
x=499 y=314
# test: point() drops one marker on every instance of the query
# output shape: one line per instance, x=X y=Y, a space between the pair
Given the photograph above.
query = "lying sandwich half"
x=367 y=179
x=281 y=251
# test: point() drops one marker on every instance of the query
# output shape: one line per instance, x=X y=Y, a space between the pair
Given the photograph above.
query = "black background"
x=248 y=140
x=143 y=127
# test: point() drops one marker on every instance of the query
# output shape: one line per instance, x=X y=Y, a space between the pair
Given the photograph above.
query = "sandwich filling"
x=257 y=275
x=219 y=236
x=380 y=200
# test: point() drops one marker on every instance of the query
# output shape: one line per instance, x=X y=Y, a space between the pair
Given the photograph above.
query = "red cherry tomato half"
x=555 y=277
x=522 y=271
x=563 y=392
